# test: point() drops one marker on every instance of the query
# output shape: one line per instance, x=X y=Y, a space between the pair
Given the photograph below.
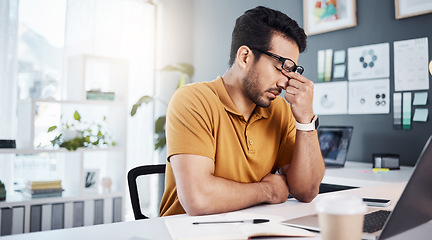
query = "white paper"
x=397 y=109
x=369 y=97
x=369 y=62
x=411 y=64
x=330 y=98
x=420 y=98
x=182 y=228
x=420 y=115
x=321 y=62
x=339 y=57
x=328 y=65
x=339 y=71
x=406 y=110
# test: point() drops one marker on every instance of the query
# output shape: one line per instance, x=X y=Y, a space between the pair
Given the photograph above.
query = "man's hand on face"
x=299 y=93
x=277 y=188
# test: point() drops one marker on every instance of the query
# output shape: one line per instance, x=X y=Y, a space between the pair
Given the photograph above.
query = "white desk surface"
x=377 y=185
x=360 y=174
x=154 y=229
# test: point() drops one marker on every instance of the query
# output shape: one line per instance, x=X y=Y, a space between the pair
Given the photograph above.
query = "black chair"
x=133 y=189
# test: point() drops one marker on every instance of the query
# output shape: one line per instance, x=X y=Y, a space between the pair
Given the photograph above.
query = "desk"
x=359 y=174
x=154 y=229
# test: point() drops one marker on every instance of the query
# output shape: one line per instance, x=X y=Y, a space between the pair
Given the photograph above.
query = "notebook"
x=186 y=228
x=334 y=143
x=412 y=209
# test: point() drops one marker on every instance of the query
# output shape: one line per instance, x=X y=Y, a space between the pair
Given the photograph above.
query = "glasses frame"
x=296 y=68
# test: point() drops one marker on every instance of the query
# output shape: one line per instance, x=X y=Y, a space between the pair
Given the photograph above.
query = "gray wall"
x=214 y=22
x=376 y=23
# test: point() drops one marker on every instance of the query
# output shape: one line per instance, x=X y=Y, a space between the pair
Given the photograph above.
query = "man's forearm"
x=216 y=195
x=201 y=192
x=306 y=170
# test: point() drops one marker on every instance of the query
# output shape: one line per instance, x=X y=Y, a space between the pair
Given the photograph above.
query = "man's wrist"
x=311 y=126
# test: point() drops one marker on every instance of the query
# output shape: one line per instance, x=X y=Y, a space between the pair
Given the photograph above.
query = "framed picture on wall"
x=322 y=16
x=91 y=180
x=409 y=8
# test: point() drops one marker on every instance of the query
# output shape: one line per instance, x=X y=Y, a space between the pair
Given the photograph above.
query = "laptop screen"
x=334 y=142
x=415 y=204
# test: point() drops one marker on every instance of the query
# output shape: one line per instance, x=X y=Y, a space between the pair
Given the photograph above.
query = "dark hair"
x=256 y=27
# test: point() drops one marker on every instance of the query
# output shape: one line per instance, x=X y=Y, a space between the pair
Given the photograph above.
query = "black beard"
x=251 y=90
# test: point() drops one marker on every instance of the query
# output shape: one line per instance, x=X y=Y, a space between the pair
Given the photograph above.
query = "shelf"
x=17 y=199
x=37 y=115
x=59 y=150
x=34 y=118
x=87 y=102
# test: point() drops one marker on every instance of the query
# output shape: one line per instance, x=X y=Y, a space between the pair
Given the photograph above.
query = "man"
x=227 y=138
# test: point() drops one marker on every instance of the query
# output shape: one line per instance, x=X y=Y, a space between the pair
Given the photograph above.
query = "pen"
x=253 y=221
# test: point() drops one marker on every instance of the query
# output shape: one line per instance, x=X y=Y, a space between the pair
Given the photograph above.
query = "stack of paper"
x=41 y=189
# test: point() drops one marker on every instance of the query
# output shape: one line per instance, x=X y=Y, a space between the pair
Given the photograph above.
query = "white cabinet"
x=36 y=158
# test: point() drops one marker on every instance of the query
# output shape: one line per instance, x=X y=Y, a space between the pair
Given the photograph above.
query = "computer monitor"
x=334 y=142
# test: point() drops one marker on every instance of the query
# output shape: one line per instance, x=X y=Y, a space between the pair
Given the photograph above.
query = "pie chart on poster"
x=325 y=102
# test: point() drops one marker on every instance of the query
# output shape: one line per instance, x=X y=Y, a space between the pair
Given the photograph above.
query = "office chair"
x=133 y=189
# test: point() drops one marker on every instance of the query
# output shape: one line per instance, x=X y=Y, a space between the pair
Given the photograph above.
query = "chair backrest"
x=133 y=188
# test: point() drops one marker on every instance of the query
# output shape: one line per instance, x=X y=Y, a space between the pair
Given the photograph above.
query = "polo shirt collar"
x=229 y=104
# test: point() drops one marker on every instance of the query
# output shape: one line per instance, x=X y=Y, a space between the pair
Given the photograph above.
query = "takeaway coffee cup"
x=340 y=217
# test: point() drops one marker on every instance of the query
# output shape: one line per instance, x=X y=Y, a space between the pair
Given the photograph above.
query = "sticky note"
x=420 y=115
x=420 y=98
x=339 y=71
x=339 y=57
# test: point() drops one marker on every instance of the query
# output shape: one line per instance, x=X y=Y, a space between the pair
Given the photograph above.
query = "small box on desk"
x=386 y=160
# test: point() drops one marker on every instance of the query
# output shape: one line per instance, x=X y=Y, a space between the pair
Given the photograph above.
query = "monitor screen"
x=334 y=143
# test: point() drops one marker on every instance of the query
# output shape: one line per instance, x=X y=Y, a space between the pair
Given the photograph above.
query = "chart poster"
x=331 y=98
x=411 y=64
x=369 y=97
x=369 y=62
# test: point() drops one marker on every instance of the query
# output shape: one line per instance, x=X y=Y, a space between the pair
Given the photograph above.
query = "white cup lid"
x=341 y=204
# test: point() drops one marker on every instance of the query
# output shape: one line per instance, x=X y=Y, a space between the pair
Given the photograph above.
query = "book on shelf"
x=43 y=193
x=40 y=185
x=42 y=189
x=99 y=95
x=181 y=228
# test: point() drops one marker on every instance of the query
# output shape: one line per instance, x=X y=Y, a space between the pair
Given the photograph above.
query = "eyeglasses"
x=287 y=64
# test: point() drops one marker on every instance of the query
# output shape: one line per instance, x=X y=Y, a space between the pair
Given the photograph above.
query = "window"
x=40 y=48
x=38 y=39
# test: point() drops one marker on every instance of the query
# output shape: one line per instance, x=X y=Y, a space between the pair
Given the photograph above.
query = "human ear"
x=244 y=56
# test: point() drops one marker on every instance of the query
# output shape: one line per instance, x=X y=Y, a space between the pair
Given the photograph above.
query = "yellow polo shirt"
x=203 y=120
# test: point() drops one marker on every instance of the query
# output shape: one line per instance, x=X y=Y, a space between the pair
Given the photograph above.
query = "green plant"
x=186 y=72
x=81 y=134
x=2 y=191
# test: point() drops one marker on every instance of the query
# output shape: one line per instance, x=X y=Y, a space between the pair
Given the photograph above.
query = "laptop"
x=412 y=209
x=334 y=142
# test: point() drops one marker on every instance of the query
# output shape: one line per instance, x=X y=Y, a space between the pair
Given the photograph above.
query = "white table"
x=375 y=185
x=155 y=229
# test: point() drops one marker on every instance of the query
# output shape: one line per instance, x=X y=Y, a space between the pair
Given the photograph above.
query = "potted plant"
x=186 y=72
x=77 y=133
x=2 y=191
